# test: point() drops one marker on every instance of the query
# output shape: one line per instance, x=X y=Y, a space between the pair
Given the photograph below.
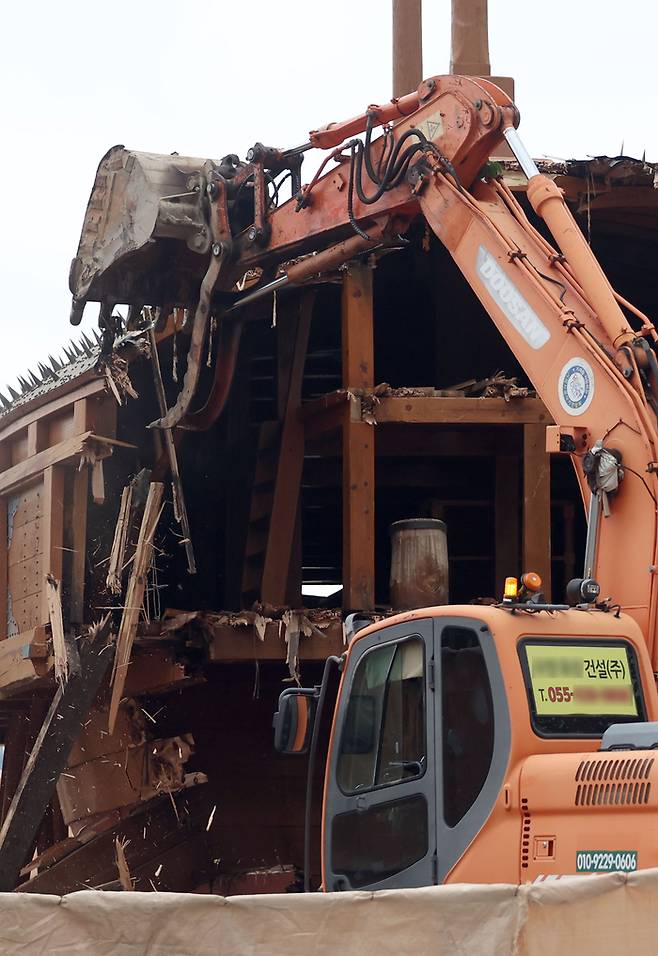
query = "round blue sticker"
x=576 y=386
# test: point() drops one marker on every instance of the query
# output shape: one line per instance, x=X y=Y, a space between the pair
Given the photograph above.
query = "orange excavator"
x=470 y=744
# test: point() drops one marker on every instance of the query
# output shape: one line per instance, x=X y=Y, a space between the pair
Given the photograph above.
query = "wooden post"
x=358 y=442
x=283 y=518
x=407 y=46
x=507 y=514
x=537 y=504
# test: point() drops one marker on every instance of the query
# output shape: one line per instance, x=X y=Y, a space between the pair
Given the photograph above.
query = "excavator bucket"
x=143 y=208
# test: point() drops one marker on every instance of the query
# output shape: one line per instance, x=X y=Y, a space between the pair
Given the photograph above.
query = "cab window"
x=467 y=720
x=383 y=740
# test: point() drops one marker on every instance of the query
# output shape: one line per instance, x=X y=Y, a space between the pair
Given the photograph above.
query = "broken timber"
x=135 y=596
x=58 y=733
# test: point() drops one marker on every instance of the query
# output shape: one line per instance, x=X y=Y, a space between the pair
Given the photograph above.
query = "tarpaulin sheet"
x=593 y=915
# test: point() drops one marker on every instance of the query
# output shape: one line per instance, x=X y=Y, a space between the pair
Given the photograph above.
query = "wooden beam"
x=357 y=327
x=52 y=525
x=242 y=643
x=41 y=408
x=537 y=504
x=358 y=441
x=60 y=729
x=358 y=515
x=24 y=661
x=32 y=467
x=464 y=411
x=290 y=464
x=507 y=513
x=135 y=596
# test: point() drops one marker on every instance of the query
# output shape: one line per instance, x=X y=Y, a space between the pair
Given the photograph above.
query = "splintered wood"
x=57 y=628
x=122 y=865
x=135 y=596
x=118 y=552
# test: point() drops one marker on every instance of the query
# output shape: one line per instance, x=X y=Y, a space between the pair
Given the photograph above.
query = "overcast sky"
x=209 y=79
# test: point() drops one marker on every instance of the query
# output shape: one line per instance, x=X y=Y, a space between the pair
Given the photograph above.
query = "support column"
x=358 y=442
x=407 y=46
x=537 y=504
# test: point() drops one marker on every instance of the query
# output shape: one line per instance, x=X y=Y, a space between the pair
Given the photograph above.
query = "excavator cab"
x=463 y=748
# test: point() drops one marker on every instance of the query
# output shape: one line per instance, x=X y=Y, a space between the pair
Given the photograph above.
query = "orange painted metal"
x=548 y=202
x=541 y=772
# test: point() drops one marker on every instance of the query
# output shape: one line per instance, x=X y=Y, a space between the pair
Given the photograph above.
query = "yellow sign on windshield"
x=568 y=679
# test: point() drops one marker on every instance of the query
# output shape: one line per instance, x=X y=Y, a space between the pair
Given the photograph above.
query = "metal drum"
x=419 y=563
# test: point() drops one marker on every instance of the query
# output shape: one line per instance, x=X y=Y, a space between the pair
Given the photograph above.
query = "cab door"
x=472 y=734
x=380 y=810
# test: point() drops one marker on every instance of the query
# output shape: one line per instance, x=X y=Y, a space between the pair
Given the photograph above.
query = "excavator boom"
x=175 y=231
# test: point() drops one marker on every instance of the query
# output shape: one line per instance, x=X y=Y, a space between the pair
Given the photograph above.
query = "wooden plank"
x=358 y=515
x=537 y=504
x=79 y=545
x=26 y=470
x=48 y=756
x=476 y=411
x=507 y=513
x=52 y=530
x=135 y=596
x=357 y=327
x=289 y=472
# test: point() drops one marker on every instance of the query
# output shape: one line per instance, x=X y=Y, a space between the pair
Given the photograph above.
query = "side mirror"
x=293 y=721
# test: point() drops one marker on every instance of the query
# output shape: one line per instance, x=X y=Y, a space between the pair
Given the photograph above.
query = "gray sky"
x=210 y=79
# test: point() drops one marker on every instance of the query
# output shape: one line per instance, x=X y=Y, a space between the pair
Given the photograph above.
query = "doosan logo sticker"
x=576 y=386
x=508 y=298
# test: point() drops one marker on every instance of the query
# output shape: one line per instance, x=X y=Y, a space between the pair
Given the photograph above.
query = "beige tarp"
x=595 y=915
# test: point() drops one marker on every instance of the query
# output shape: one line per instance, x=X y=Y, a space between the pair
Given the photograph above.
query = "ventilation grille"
x=611 y=782
x=525 y=834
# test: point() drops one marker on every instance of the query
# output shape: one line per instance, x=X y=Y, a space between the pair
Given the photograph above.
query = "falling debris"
x=122 y=865
x=57 y=629
x=135 y=596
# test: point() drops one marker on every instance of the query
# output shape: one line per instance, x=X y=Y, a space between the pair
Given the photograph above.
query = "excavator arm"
x=167 y=231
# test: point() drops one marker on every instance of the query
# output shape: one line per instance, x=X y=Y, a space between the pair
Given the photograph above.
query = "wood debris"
x=122 y=866
x=57 y=629
x=135 y=595
x=117 y=554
